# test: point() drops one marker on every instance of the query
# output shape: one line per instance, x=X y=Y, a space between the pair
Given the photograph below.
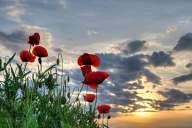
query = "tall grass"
x=38 y=100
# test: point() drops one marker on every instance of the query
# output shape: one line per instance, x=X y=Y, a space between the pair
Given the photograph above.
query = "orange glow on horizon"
x=161 y=119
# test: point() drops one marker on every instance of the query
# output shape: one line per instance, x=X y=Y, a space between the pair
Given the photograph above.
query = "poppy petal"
x=93 y=86
x=103 y=108
x=95 y=60
x=88 y=59
x=34 y=39
x=95 y=77
x=40 y=51
x=89 y=97
x=86 y=70
x=26 y=56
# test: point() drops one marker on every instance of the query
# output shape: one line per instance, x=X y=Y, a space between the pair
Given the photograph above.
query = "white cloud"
x=16 y=11
x=92 y=32
x=171 y=29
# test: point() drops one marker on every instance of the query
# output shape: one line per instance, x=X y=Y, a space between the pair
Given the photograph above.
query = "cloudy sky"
x=145 y=45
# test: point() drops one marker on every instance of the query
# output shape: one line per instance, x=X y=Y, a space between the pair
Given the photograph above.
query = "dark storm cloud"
x=161 y=59
x=134 y=46
x=182 y=78
x=14 y=37
x=135 y=85
x=14 y=40
x=184 y=43
x=151 y=77
x=125 y=98
x=126 y=68
x=174 y=98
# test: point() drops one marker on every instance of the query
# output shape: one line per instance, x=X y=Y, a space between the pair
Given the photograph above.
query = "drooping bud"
x=58 y=61
x=109 y=117
x=40 y=60
x=99 y=116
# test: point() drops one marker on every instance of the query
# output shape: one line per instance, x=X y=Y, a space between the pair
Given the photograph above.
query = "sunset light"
x=96 y=63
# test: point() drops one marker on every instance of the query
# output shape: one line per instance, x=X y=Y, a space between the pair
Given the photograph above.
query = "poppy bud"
x=69 y=95
x=1 y=64
x=40 y=60
x=99 y=116
x=109 y=117
x=58 y=61
x=65 y=82
x=68 y=79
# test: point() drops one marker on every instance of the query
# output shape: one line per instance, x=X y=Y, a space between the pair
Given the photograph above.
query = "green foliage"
x=56 y=109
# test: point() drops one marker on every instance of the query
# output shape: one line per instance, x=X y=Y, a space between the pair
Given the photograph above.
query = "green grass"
x=56 y=109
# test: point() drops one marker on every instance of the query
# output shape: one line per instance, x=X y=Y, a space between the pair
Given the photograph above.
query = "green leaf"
x=13 y=73
x=10 y=59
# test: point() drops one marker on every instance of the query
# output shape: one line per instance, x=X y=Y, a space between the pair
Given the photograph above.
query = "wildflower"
x=40 y=51
x=26 y=56
x=43 y=90
x=88 y=59
x=19 y=93
x=93 y=79
x=103 y=108
x=86 y=69
x=89 y=97
x=30 y=84
x=34 y=39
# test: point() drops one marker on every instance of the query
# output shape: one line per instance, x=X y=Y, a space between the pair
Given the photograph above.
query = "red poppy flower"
x=34 y=39
x=40 y=51
x=89 y=59
x=26 y=56
x=93 y=79
x=103 y=108
x=89 y=97
x=86 y=69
